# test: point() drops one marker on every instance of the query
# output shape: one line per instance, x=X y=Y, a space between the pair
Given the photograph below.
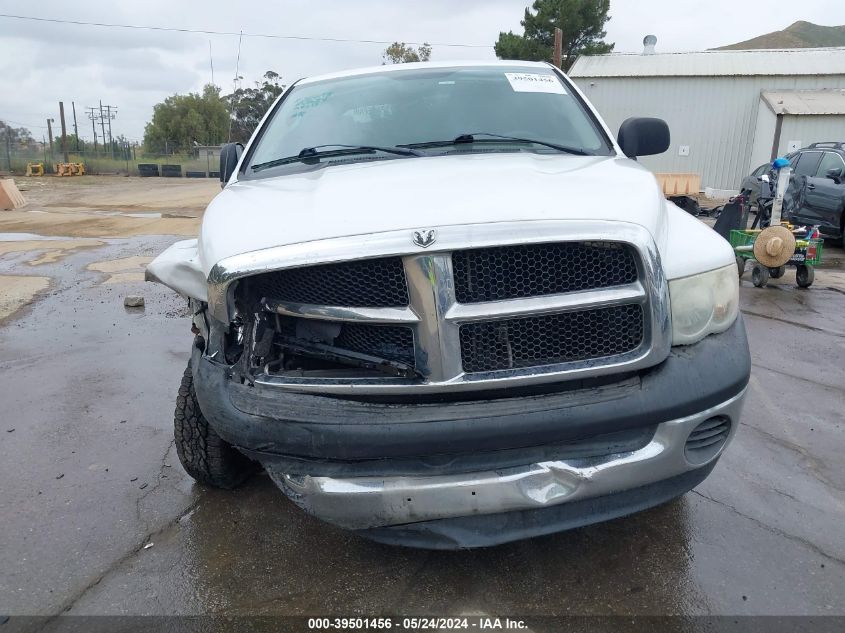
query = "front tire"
x=204 y=455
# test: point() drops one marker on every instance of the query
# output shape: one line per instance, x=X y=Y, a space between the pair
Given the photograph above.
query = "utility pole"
x=103 y=124
x=9 y=147
x=64 y=130
x=75 y=128
x=109 y=114
x=111 y=138
x=558 y=47
x=50 y=136
x=92 y=114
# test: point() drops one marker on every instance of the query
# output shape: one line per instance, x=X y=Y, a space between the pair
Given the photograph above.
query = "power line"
x=22 y=124
x=232 y=33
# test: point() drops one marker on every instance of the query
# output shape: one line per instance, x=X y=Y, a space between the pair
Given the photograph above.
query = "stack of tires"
x=147 y=170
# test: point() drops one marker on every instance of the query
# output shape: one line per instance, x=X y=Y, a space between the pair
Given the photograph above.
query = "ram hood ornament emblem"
x=425 y=237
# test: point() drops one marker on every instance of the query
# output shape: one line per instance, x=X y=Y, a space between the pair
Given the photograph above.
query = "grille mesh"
x=530 y=270
x=552 y=339
x=384 y=341
x=370 y=283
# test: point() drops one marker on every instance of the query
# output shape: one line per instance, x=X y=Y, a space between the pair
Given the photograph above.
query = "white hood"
x=436 y=192
x=430 y=192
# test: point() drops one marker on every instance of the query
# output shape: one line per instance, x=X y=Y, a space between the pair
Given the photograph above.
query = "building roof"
x=827 y=101
x=805 y=61
x=396 y=68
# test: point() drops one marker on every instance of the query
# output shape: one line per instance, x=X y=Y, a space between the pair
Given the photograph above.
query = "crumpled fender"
x=179 y=268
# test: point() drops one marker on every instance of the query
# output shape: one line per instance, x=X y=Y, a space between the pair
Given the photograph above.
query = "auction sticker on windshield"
x=535 y=82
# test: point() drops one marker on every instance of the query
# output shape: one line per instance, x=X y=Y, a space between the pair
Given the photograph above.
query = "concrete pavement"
x=90 y=478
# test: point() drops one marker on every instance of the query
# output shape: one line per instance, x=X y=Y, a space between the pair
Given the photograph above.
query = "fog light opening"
x=707 y=439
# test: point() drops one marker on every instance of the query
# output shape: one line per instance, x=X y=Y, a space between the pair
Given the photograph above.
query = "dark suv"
x=819 y=173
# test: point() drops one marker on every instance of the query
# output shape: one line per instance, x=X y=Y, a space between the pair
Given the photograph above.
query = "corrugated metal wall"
x=715 y=116
x=811 y=129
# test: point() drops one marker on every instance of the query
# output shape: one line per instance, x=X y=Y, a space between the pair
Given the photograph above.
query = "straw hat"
x=774 y=246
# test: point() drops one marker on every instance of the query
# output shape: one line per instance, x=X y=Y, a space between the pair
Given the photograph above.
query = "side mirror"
x=230 y=154
x=834 y=174
x=640 y=136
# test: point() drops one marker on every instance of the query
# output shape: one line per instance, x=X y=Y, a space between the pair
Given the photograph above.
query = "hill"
x=799 y=35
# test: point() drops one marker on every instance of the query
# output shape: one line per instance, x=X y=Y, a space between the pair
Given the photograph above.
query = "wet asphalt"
x=99 y=518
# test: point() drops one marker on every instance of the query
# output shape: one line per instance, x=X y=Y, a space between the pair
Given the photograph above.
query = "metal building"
x=727 y=110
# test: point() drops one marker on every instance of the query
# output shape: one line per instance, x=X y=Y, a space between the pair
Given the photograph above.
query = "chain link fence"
x=129 y=160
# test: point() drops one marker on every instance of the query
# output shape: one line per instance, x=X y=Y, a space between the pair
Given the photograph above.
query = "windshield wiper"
x=497 y=138
x=314 y=154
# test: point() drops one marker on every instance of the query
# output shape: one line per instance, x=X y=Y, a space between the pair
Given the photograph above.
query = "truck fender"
x=178 y=268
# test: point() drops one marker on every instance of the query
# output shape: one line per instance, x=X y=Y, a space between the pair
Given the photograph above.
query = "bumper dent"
x=375 y=502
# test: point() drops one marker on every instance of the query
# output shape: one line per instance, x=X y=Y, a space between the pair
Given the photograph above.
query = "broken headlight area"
x=261 y=341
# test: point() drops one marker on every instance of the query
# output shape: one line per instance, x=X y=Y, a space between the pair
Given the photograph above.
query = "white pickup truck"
x=442 y=306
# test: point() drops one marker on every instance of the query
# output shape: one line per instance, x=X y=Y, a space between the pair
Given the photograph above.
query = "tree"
x=582 y=23
x=401 y=53
x=181 y=121
x=72 y=142
x=16 y=136
x=248 y=105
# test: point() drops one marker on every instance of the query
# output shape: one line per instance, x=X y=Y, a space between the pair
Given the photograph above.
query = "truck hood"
x=429 y=192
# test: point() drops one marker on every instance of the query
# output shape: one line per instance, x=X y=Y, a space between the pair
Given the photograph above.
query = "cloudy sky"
x=42 y=63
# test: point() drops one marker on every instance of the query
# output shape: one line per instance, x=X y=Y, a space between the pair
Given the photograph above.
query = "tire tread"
x=204 y=455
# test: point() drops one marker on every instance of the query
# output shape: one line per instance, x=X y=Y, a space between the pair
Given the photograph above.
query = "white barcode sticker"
x=535 y=82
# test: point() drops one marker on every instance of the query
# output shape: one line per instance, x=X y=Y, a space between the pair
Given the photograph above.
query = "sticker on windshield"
x=304 y=105
x=535 y=82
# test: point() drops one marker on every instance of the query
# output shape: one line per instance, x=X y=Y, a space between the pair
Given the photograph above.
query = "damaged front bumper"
x=371 y=502
x=474 y=473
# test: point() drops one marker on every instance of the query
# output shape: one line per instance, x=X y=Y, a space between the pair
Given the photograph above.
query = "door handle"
x=811 y=186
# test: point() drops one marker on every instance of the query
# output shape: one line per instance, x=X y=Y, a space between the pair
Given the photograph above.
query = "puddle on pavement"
x=56 y=248
x=256 y=553
x=134 y=215
x=24 y=237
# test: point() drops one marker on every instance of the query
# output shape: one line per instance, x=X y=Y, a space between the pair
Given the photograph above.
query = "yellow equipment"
x=70 y=169
x=35 y=169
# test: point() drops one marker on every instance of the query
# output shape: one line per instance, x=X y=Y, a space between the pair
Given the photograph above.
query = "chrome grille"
x=551 y=339
x=535 y=317
x=375 y=283
x=534 y=270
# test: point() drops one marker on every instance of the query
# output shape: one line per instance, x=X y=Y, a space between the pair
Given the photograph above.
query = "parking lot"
x=99 y=518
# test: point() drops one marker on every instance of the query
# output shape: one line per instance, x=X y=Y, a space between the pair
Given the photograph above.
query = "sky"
x=43 y=63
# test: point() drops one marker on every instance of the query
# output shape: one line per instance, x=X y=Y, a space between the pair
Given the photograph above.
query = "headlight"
x=703 y=304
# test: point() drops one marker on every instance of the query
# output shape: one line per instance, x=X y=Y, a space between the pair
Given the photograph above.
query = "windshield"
x=414 y=108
